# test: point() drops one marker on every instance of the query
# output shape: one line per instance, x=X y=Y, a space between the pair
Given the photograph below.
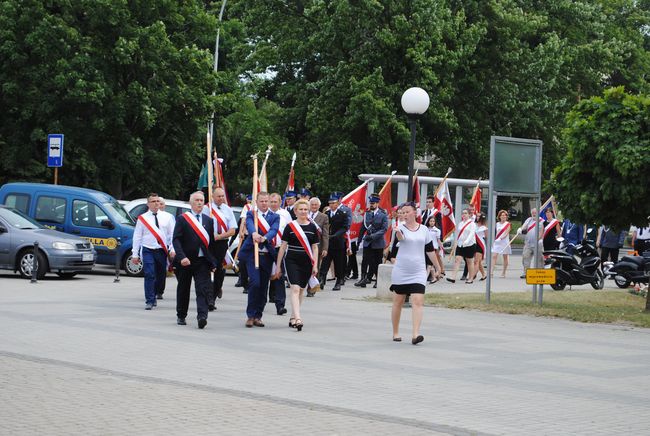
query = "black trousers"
x=220 y=248
x=338 y=256
x=243 y=274
x=199 y=270
x=370 y=261
x=352 y=267
x=607 y=253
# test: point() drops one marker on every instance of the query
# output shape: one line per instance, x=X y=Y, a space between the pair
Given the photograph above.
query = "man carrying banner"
x=193 y=242
x=371 y=235
x=225 y=225
x=339 y=225
x=152 y=243
x=528 y=230
x=277 y=290
x=258 y=278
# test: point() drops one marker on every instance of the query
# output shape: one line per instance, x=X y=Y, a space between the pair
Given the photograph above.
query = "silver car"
x=58 y=252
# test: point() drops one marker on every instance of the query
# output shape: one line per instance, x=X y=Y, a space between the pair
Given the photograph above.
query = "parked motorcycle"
x=581 y=268
x=630 y=269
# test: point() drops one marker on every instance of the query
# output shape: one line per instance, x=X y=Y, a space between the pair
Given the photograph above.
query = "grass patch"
x=613 y=306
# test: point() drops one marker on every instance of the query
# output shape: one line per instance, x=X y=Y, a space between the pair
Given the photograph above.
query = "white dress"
x=410 y=267
x=501 y=245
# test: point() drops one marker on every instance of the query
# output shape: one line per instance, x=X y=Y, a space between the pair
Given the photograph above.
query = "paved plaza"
x=82 y=356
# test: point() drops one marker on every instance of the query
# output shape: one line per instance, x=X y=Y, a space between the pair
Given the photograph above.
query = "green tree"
x=607 y=157
x=128 y=83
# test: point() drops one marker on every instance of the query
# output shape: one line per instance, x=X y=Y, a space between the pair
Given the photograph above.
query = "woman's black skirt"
x=409 y=288
x=298 y=269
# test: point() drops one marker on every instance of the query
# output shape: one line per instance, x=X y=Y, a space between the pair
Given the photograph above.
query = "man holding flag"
x=371 y=235
x=337 y=243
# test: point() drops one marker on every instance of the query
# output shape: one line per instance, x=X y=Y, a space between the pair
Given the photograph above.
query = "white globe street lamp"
x=415 y=102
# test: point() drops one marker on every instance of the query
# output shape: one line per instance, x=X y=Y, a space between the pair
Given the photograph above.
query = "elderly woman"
x=409 y=275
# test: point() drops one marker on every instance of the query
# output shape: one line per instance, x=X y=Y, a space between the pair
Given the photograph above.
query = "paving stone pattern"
x=83 y=356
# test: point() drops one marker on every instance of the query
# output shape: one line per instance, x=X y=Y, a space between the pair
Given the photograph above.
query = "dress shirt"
x=226 y=212
x=142 y=237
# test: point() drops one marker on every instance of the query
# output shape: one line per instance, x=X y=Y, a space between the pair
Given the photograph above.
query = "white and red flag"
x=443 y=203
x=356 y=201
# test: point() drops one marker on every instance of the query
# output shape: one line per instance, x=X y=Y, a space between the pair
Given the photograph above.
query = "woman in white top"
x=409 y=275
x=501 y=242
x=434 y=270
x=480 y=247
x=466 y=246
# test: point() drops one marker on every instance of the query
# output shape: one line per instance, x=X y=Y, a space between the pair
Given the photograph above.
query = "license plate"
x=87 y=257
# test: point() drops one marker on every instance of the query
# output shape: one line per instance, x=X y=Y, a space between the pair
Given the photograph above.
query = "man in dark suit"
x=371 y=236
x=339 y=225
x=258 y=278
x=193 y=240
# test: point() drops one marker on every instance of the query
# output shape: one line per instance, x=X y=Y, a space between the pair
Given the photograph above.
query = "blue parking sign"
x=55 y=150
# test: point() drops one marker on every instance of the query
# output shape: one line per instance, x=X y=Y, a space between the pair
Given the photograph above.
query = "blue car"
x=91 y=215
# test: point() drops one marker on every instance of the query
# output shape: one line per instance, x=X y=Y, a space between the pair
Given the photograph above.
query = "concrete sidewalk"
x=82 y=356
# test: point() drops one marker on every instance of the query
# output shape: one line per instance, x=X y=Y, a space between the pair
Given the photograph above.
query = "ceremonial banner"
x=386 y=203
x=356 y=201
x=442 y=202
x=476 y=199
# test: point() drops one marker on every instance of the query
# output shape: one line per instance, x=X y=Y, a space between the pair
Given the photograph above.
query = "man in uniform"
x=305 y=194
x=193 y=241
x=225 y=225
x=371 y=235
x=322 y=223
x=339 y=225
x=263 y=235
x=153 y=237
x=290 y=200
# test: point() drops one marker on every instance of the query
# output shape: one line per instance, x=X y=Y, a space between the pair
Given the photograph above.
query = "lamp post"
x=415 y=102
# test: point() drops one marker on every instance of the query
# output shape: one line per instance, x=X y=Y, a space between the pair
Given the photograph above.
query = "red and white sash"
x=264 y=227
x=216 y=214
x=531 y=226
x=480 y=240
x=318 y=229
x=505 y=229
x=155 y=231
x=302 y=238
x=198 y=229
x=463 y=228
x=550 y=226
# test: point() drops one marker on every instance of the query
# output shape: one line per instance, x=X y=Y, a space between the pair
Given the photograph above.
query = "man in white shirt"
x=528 y=230
x=161 y=211
x=225 y=225
x=277 y=290
x=152 y=245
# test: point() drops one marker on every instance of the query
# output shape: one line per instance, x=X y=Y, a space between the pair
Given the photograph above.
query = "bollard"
x=117 y=263
x=35 y=264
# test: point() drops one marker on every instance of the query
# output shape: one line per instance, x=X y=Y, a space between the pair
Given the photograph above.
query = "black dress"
x=297 y=264
x=550 y=241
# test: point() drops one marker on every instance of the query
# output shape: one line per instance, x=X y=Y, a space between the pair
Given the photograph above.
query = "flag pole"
x=266 y=158
x=254 y=205
x=386 y=183
x=209 y=166
x=444 y=179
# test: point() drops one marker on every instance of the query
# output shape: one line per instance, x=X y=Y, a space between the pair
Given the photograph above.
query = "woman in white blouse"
x=501 y=242
x=466 y=246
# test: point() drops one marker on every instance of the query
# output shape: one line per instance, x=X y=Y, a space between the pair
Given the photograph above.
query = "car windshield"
x=118 y=213
x=19 y=220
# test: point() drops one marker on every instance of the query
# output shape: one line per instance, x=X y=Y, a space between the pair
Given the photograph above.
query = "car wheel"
x=66 y=275
x=132 y=269
x=599 y=283
x=621 y=282
x=26 y=264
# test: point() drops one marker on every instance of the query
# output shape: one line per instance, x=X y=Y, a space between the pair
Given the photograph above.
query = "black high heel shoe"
x=298 y=324
x=292 y=323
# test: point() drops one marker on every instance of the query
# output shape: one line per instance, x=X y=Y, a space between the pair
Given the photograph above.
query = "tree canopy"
x=602 y=178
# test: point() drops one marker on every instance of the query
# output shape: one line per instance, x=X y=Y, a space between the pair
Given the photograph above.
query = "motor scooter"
x=581 y=268
x=630 y=269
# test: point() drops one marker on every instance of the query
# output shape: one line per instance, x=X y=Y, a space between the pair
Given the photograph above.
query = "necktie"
x=198 y=217
x=155 y=217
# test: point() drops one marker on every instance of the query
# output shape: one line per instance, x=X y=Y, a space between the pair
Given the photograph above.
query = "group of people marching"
x=299 y=243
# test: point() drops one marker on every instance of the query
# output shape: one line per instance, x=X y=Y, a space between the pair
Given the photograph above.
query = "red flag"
x=356 y=200
x=443 y=203
x=219 y=179
x=416 y=190
x=386 y=203
x=476 y=200
x=291 y=185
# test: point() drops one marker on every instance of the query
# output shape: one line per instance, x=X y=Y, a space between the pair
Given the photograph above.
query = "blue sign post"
x=55 y=153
